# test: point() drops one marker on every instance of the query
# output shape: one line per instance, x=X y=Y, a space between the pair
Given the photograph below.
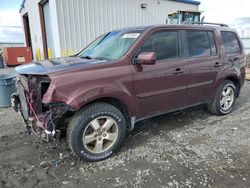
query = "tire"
x=99 y=125
x=219 y=106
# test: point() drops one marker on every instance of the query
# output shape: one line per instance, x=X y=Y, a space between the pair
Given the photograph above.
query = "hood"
x=56 y=65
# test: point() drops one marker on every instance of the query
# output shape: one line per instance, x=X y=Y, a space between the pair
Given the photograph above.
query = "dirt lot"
x=188 y=148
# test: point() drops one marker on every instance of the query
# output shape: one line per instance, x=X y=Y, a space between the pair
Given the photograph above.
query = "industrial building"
x=67 y=26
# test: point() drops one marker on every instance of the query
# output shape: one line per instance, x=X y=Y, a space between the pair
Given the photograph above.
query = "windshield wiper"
x=86 y=57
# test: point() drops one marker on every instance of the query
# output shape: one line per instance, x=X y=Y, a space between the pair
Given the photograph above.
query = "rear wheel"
x=96 y=132
x=224 y=99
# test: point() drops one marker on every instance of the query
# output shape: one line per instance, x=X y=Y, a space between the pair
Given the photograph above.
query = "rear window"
x=231 y=42
x=200 y=43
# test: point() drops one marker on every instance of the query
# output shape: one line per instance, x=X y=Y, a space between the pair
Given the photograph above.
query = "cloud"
x=243 y=22
x=11 y=34
x=243 y=26
x=10 y=26
x=10 y=18
x=225 y=11
x=235 y=13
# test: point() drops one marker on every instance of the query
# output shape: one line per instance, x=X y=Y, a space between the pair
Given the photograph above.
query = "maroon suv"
x=125 y=76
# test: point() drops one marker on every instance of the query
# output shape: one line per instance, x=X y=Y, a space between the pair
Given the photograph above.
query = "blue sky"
x=10 y=4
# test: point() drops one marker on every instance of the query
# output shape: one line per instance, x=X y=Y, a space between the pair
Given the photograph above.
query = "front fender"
x=108 y=92
x=79 y=98
x=79 y=87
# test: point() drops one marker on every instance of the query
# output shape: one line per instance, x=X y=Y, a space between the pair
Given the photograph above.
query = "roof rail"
x=205 y=23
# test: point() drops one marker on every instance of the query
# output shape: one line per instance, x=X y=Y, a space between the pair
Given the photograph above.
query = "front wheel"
x=96 y=132
x=224 y=99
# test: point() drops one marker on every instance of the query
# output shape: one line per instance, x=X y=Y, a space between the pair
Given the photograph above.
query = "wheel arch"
x=116 y=102
x=236 y=81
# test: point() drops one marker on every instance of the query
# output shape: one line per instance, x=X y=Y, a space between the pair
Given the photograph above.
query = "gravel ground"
x=189 y=148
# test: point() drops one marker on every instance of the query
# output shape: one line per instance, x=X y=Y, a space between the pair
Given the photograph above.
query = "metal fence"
x=246 y=43
x=248 y=60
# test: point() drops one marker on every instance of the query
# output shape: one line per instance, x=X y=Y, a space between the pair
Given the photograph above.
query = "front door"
x=163 y=86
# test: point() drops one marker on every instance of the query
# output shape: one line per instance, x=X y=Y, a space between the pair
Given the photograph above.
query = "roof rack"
x=205 y=23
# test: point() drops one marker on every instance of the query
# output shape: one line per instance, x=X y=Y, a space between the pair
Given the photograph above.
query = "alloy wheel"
x=227 y=98
x=100 y=134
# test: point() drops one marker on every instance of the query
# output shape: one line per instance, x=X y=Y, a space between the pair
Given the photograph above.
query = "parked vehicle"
x=180 y=17
x=128 y=75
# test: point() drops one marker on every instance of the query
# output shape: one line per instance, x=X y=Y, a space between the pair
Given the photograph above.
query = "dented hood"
x=56 y=65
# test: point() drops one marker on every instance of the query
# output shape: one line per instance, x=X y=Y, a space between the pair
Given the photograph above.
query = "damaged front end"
x=46 y=120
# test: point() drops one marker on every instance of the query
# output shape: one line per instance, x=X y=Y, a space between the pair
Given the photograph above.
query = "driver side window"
x=165 y=44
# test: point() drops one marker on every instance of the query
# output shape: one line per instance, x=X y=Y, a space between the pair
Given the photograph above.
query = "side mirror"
x=146 y=58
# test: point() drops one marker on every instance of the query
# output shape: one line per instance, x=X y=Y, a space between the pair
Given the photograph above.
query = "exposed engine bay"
x=44 y=120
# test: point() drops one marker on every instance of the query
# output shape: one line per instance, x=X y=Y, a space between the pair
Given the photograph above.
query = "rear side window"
x=165 y=44
x=200 y=43
x=231 y=42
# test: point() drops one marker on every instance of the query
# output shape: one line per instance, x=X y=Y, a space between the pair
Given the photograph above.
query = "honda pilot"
x=128 y=75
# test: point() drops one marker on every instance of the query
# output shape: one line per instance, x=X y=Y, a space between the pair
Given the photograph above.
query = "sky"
x=236 y=13
x=10 y=21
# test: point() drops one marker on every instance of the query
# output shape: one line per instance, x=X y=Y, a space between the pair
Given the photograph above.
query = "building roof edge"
x=188 y=2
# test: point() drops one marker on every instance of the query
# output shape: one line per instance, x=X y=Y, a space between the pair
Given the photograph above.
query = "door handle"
x=217 y=64
x=232 y=61
x=178 y=71
x=235 y=59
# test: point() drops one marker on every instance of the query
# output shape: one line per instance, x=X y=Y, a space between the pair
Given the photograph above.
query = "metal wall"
x=31 y=7
x=81 y=21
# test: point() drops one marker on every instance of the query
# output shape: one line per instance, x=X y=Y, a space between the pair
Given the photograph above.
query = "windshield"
x=192 y=17
x=175 y=18
x=111 y=46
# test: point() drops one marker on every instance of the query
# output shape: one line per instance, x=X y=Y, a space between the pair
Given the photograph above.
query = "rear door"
x=233 y=49
x=163 y=86
x=203 y=63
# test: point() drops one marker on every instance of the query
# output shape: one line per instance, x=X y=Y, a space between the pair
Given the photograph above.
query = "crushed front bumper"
x=41 y=125
x=31 y=123
x=44 y=120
